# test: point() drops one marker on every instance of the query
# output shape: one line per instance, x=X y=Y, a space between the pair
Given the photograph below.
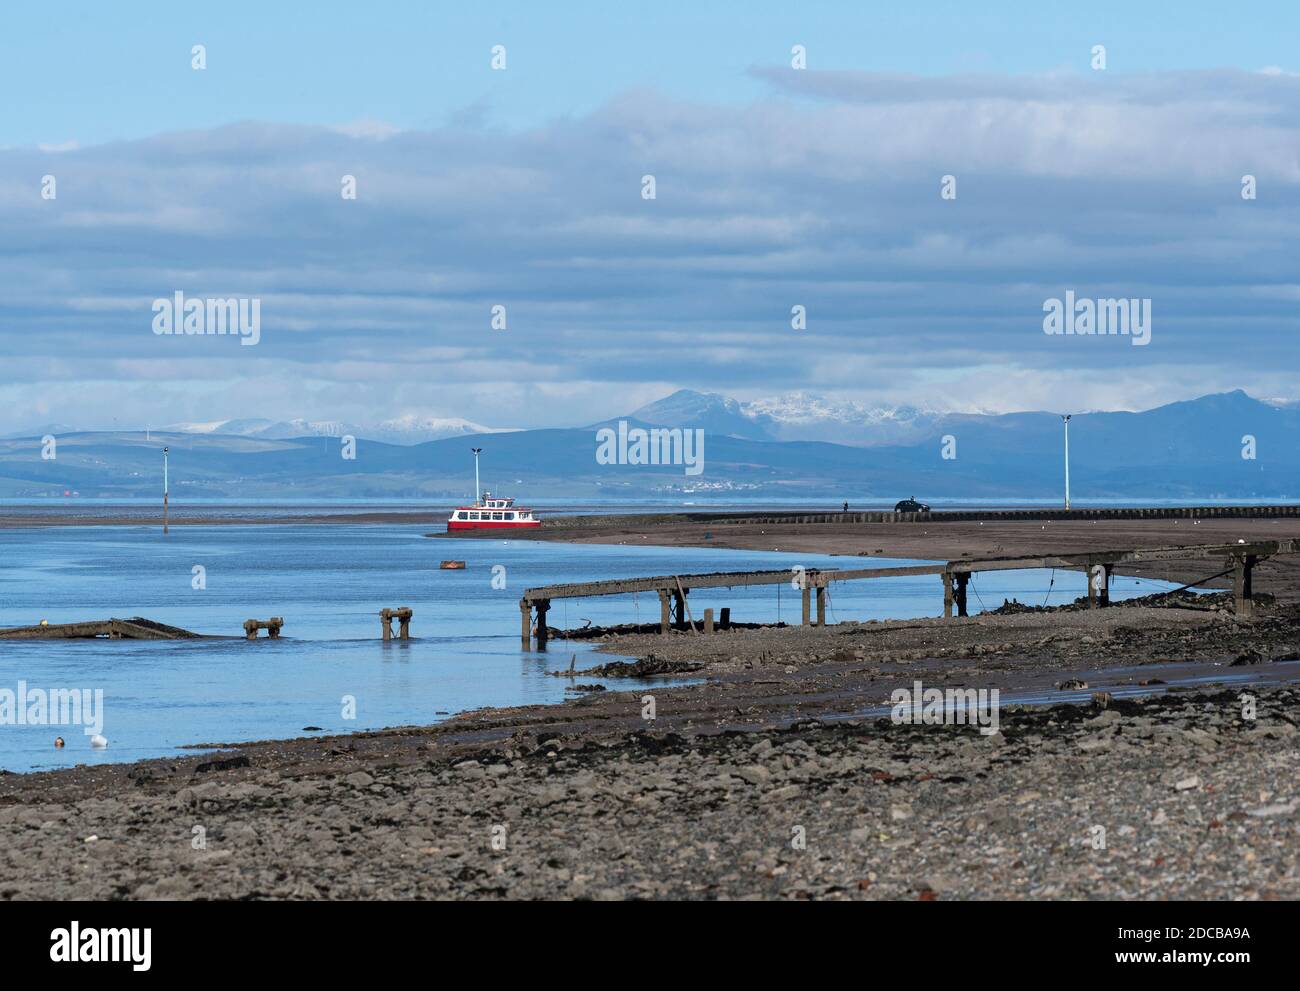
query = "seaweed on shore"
x=646 y=667
x=1176 y=599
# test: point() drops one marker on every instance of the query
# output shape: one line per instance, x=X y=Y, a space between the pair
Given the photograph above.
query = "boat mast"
x=477 y=491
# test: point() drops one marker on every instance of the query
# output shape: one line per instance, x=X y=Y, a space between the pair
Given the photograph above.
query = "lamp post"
x=477 y=491
x=1065 y=417
x=165 y=491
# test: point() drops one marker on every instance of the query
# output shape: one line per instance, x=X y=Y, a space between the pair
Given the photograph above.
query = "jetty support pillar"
x=962 y=579
x=271 y=626
x=1242 y=591
x=708 y=620
x=947 y=594
x=679 y=610
x=821 y=605
x=525 y=624
x=403 y=616
x=542 y=606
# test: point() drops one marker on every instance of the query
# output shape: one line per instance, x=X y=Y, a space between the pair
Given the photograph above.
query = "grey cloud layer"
x=825 y=195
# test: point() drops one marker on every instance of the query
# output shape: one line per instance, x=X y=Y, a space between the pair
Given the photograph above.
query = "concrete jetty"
x=136 y=628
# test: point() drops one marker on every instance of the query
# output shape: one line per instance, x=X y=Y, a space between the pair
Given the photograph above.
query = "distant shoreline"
x=206 y=517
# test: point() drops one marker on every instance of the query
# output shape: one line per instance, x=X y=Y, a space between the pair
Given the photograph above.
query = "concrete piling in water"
x=403 y=616
x=271 y=626
x=529 y=629
x=541 y=635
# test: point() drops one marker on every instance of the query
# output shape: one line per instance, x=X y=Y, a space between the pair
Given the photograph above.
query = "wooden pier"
x=674 y=610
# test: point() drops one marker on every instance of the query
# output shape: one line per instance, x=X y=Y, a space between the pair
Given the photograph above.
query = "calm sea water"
x=329 y=582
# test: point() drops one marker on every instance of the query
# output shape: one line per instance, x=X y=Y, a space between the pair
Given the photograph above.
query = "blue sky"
x=93 y=72
x=776 y=188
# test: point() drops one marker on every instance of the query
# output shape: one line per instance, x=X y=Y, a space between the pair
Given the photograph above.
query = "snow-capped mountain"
x=707 y=411
x=807 y=416
x=792 y=416
x=40 y=430
x=412 y=428
x=266 y=429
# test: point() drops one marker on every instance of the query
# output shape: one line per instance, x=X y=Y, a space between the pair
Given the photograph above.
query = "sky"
x=524 y=188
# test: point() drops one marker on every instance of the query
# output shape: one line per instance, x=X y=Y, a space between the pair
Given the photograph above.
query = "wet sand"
x=950 y=541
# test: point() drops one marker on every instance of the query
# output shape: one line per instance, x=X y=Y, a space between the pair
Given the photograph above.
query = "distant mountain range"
x=411 y=429
x=795 y=446
x=794 y=416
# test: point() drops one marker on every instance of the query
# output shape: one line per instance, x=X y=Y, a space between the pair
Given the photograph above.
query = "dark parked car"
x=911 y=506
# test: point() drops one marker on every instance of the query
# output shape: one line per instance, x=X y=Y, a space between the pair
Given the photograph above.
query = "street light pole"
x=478 y=493
x=165 y=491
x=1066 y=418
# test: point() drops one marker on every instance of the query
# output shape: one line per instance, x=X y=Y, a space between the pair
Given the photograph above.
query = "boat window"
x=496 y=516
x=473 y=516
x=510 y=516
x=460 y=516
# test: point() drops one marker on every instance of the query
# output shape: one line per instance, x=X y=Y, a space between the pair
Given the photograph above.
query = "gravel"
x=1171 y=797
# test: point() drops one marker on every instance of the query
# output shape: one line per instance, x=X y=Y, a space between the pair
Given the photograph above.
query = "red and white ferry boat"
x=490 y=514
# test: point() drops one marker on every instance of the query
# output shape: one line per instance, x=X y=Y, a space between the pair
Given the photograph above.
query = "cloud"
x=824 y=194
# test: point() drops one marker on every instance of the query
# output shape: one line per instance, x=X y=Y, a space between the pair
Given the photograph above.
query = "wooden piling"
x=807 y=603
x=708 y=621
x=724 y=619
x=684 y=606
x=525 y=625
x=947 y=594
x=1242 y=599
x=821 y=605
x=959 y=594
x=663 y=611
